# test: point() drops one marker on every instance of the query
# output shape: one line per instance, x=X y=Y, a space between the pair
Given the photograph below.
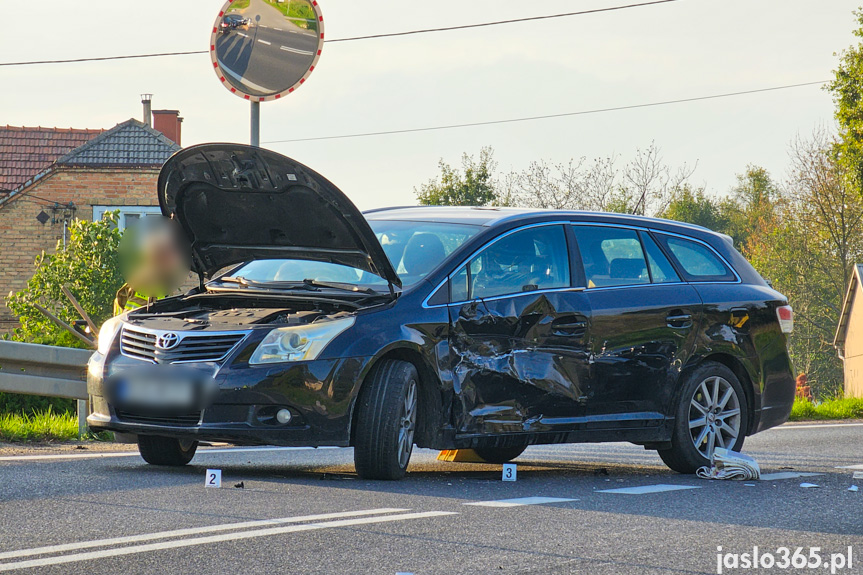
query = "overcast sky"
x=676 y=50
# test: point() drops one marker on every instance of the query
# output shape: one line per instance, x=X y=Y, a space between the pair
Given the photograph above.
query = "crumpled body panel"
x=514 y=363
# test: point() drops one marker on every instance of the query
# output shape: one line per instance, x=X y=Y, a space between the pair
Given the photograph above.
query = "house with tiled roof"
x=25 y=152
x=50 y=176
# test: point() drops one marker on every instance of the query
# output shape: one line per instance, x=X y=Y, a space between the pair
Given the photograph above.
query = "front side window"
x=529 y=260
x=611 y=256
x=697 y=261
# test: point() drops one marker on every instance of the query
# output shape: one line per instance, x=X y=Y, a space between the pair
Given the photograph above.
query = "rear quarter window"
x=697 y=261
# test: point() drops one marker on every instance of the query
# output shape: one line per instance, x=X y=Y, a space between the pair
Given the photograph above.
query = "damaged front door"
x=519 y=336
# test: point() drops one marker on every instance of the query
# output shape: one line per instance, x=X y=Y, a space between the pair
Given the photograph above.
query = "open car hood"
x=238 y=203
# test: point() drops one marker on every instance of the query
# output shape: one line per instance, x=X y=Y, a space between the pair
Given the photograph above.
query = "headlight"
x=108 y=332
x=298 y=342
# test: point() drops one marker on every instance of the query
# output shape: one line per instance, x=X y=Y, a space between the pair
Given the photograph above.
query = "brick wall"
x=22 y=237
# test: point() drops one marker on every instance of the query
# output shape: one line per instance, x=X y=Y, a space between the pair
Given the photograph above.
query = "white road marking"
x=96 y=455
x=814 y=426
x=75 y=557
x=519 y=501
x=785 y=475
x=264 y=42
x=243 y=35
x=190 y=531
x=858 y=466
x=279 y=29
x=659 y=488
x=295 y=51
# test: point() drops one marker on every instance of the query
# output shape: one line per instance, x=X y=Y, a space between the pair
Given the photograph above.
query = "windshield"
x=414 y=249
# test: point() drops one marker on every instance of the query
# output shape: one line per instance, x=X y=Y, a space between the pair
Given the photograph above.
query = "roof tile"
x=25 y=152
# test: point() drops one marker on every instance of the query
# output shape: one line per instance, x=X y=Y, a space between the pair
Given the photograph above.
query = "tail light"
x=786 y=318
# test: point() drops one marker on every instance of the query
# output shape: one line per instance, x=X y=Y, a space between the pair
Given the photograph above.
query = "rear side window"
x=532 y=259
x=698 y=262
x=611 y=256
x=661 y=270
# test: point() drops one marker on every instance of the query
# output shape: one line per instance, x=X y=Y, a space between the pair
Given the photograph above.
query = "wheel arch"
x=742 y=373
x=430 y=404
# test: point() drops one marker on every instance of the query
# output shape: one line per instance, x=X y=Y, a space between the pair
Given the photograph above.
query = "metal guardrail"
x=46 y=370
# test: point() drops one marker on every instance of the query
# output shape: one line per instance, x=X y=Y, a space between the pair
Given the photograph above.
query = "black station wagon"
x=483 y=328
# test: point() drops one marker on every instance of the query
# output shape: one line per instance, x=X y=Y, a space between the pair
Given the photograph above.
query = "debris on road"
x=729 y=464
x=853 y=488
x=809 y=486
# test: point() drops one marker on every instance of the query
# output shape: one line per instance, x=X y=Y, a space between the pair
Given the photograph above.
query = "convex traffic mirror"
x=264 y=49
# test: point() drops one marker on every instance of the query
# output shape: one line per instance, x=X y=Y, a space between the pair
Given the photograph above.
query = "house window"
x=128 y=214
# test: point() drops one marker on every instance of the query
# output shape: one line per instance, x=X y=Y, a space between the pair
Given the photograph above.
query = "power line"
x=547 y=116
x=500 y=22
x=103 y=58
x=355 y=38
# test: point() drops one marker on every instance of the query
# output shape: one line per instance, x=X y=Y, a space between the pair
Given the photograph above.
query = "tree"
x=474 y=185
x=643 y=186
x=694 y=206
x=650 y=183
x=750 y=212
x=847 y=90
x=807 y=251
x=89 y=266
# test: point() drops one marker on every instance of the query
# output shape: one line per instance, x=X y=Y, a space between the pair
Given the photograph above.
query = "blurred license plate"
x=142 y=391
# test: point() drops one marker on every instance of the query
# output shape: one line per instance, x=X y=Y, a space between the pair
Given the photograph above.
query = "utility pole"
x=256 y=124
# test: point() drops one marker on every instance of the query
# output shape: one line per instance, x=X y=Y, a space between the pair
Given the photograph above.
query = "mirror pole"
x=256 y=124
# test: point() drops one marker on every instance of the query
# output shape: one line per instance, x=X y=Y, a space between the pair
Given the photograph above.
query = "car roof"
x=493 y=216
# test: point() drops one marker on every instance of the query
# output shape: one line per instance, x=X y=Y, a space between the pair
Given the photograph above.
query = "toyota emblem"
x=167 y=340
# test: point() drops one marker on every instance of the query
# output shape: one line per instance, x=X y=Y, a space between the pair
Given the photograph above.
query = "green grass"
x=40 y=426
x=300 y=13
x=846 y=408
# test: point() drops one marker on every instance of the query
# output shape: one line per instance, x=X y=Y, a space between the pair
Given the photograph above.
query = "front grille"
x=186 y=347
x=182 y=420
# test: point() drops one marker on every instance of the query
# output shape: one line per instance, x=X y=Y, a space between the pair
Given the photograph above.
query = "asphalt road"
x=305 y=511
x=267 y=57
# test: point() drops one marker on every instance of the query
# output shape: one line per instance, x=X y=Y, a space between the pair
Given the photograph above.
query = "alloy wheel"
x=408 y=423
x=714 y=416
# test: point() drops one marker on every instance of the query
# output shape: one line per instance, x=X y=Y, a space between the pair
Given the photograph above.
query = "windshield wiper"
x=339 y=286
x=234 y=280
x=306 y=284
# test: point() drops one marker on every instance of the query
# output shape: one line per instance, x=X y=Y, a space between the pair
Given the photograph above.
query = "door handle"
x=679 y=320
x=570 y=325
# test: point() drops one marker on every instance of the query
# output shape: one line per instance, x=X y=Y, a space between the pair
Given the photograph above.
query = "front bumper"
x=319 y=394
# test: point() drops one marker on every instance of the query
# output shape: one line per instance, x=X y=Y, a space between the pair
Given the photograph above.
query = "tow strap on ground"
x=729 y=464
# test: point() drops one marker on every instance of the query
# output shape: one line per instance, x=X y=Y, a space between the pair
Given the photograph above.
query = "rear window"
x=697 y=261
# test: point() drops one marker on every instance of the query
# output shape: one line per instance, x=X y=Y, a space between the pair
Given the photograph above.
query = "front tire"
x=386 y=420
x=167 y=451
x=711 y=412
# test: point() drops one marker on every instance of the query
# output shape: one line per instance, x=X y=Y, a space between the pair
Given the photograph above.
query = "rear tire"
x=711 y=412
x=386 y=419
x=168 y=451
x=500 y=454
